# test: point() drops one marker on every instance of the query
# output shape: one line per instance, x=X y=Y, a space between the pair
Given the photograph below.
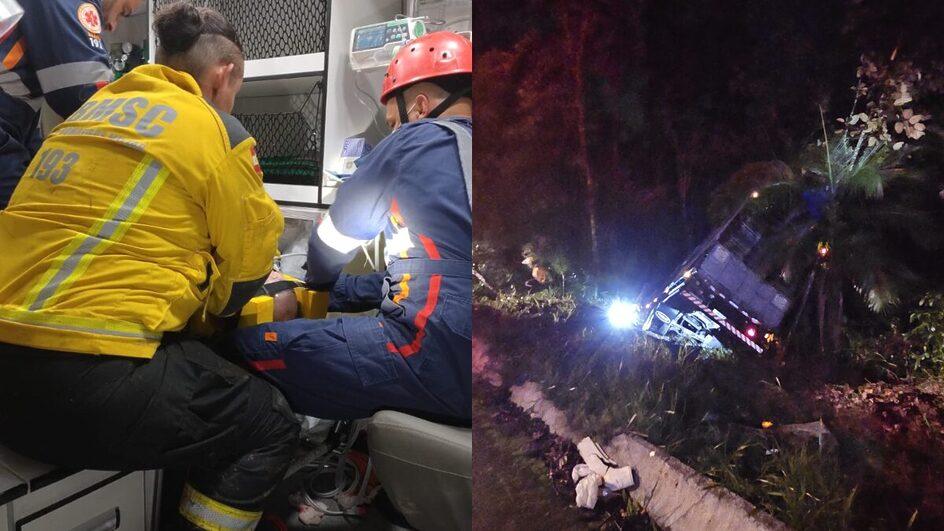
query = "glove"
x=619 y=478
x=580 y=471
x=614 y=477
x=588 y=489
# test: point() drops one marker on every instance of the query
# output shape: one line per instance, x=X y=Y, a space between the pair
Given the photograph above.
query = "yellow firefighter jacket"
x=142 y=208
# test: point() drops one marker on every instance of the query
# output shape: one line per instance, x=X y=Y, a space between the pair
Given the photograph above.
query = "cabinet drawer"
x=116 y=503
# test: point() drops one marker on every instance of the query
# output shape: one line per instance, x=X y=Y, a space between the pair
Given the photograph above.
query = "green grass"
x=804 y=487
x=801 y=486
x=552 y=302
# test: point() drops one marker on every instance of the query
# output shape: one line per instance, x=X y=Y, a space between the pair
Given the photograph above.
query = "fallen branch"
x=484 y=282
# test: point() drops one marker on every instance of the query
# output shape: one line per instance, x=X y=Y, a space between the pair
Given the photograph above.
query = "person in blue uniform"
x=55 y=52
x=416 y=355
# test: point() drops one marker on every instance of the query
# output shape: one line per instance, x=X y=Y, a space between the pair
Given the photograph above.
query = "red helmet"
x=437 y=54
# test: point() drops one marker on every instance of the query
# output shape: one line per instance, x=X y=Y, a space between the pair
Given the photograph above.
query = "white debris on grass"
x=599 y=471
x=484 y=365
x=529 y=397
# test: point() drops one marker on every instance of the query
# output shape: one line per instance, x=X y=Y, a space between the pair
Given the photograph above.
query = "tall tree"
x=579 y=23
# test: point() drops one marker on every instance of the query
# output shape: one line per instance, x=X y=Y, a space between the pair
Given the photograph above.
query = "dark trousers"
x=19 y=140
x=343 y=369
x=185 y=407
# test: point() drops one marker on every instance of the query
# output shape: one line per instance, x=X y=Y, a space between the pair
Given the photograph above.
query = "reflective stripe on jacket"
x=140 y=210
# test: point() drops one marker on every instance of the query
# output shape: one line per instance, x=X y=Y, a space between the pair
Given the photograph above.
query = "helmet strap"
x=401 y=106
x=449 y=101
x=439 y=109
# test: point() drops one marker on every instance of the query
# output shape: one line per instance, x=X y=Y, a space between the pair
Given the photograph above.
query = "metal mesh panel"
x=273 y=28
x=288 y=144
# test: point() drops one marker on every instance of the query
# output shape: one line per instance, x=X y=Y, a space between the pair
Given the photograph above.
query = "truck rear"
x=724 y=295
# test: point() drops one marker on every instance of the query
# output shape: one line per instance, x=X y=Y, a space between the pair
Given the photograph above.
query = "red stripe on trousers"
x=432 y=298
x=423 y=317
x=267 y=365
x=430 y=247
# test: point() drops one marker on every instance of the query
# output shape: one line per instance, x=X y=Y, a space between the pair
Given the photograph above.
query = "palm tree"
x=858 y=221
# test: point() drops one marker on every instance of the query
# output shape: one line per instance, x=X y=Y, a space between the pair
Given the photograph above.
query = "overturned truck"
x=730 y=291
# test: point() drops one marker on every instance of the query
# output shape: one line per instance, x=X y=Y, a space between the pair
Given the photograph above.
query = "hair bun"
x=178 y=26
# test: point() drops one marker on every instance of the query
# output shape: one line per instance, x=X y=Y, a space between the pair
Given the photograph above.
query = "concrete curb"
x=676 y=496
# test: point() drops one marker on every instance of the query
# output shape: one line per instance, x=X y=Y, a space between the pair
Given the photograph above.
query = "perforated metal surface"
x=288 y=143
x=273 y=28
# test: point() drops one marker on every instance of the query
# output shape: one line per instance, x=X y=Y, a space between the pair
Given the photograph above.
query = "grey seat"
x=425 y=468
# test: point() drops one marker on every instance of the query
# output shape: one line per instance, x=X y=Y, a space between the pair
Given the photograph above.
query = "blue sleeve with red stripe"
x=324 y=263
x=363 y=201
x=360 y=210
x=65 y=50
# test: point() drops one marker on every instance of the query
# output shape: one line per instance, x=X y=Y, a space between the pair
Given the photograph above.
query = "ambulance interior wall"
x=133 y=29
x=451 y=15
x=352 y=108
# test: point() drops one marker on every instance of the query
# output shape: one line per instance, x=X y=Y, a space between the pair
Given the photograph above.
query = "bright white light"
x=399 y=243
x=333 y=238
x=623 y=314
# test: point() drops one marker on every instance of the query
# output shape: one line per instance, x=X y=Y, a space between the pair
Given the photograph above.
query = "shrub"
x=917 y=352
x=927 y=335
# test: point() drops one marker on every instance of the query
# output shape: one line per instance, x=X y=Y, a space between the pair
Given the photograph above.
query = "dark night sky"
x=678 y=96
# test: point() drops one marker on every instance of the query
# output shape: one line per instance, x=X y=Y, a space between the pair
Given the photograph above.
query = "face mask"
x=408 y=113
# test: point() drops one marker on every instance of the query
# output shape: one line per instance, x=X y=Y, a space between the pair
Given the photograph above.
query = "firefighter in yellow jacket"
x=144 y=208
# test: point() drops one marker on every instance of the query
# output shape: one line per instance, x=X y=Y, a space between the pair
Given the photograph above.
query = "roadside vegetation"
x=841 y=426
x=731 y=417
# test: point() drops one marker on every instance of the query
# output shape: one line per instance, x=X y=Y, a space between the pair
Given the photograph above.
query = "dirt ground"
x=521 y=474
x=896 y=433
x=508 y=490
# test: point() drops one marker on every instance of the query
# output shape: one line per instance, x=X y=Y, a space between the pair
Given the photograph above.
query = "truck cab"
x=692 y=328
